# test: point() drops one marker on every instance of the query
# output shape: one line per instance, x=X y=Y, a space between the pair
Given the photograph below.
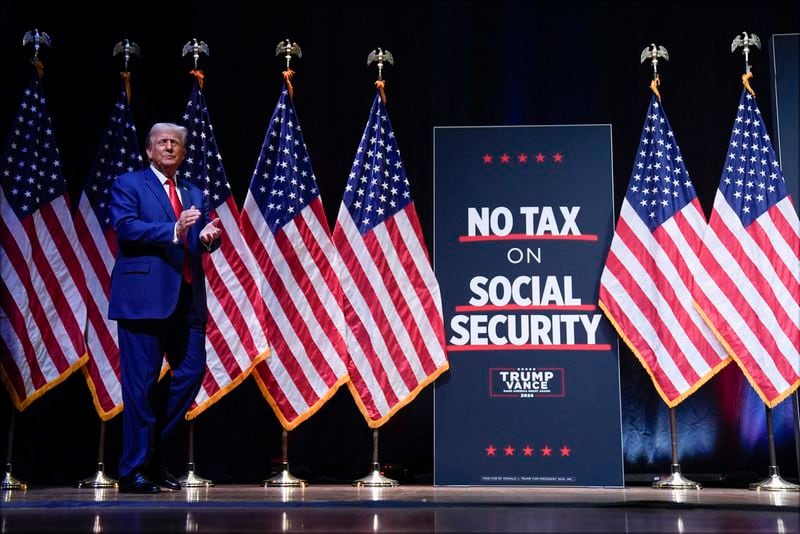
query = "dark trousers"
x=153 y=411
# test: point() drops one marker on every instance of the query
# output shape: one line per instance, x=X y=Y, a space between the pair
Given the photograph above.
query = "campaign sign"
x=523 y=219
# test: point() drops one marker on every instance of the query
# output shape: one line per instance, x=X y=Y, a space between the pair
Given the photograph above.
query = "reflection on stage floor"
x=345 y=508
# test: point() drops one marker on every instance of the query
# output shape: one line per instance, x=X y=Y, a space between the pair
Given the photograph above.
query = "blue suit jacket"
x=146 y=279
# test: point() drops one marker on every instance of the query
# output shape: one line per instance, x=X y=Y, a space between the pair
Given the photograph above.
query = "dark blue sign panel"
x=786 y=101
x=523 y=218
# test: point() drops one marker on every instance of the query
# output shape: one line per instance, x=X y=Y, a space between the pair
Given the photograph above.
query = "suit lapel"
x=186 y=200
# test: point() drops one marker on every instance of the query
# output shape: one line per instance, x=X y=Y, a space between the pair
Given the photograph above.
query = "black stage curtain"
x=456 y=63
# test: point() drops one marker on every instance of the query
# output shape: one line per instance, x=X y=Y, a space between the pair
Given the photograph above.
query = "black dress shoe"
x=137 y=482
x=167 y=480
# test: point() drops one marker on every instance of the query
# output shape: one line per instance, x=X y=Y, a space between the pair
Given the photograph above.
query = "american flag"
x=118 y=153
x=236 y=332
x=749 y=287
x=284 y=223
x=42 y=309
x=645 y=287
x=392 y=301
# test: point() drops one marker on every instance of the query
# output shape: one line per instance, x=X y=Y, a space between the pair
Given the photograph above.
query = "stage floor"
x=411 y=508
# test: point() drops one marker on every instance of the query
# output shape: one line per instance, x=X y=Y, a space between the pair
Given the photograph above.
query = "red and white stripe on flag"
x=748 y=289
x=749 y=293
x=42 y=288
x=118 y=151
x=236 y=338
x=645 y=287
x=236 y=331
x=307 y=363
x=99 y=248
x=393 y=312
x=43 y=313
x=645 y=291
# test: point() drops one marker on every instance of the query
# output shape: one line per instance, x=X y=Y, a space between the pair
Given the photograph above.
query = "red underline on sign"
x=493 y=307
x=460 y=348
x=526 y=237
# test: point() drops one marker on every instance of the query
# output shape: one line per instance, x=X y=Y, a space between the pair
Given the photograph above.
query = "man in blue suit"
x=159 y=302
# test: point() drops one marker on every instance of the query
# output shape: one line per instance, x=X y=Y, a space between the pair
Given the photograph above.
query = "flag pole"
x=675 y=480
x=773 y=482
x=192 y=479
x=380 y=56
x=653 y=52
x=288 y=49
x=285 y=479
x=9 y=482
x=100 y=479
x=375 y=479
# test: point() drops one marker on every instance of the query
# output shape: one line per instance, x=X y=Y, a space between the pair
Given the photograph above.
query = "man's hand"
x=211 y=232
x=187 y=219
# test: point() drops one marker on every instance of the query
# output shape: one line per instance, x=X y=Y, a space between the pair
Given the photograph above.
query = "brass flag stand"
x=675 y=481
x=285 y=479
x=375 y=479
x=192 y=479
x=100 y=479
x=773 y=482
x=9 y=482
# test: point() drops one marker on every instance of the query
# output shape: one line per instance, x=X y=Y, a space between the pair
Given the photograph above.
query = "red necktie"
x=178 y=208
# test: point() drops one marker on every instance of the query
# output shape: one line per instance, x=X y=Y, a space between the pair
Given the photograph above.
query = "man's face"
x=166 y=151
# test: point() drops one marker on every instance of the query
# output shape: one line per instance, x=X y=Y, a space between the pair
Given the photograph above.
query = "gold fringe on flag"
x=380 y=84
x=287 y=75
x=654 y=86
x=199 y=76
x=127 y=77
x=746 y=82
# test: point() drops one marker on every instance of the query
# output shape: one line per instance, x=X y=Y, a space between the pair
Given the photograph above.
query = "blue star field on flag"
x=659 y=184
x=377 y=186
x=42 y=312
x=752 y=180
x=118 y=153
x=203 y=163
x=31 y=169
x=283 y=182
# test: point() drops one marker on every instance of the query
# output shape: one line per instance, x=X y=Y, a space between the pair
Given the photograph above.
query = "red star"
x=527 y=451
x=523 y=158
x=505 y=158
x=565 y=450
x=490 y=450
x=558 y=157
x=509 y=450
x=487 y=158
x=539 y=158
x=546 y=451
